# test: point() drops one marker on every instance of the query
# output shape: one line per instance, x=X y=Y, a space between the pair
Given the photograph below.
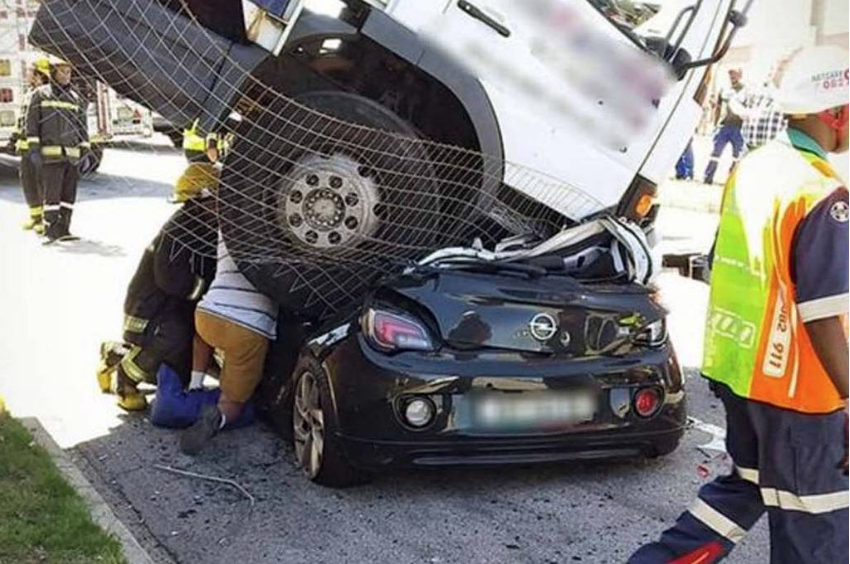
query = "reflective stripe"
x=822 y=308
x=66 y=205
x=59 y=151
x=60 y=105
x=135 y=324
x=748 y=474
x=822 y=503
x=85 y=145
x=51 y=207
x=131 y=369
x=716 y=521
x=197 y=289
x=35 y=140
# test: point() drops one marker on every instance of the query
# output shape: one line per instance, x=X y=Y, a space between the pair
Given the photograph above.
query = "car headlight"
x=393 y=331
x=653 y=334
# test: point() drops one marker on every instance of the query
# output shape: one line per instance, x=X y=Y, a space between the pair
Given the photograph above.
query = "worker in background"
x=57 y=134
x=159 y=308
x=776 y=344
x=240 y=321
x=202 y=153
x=38 y=75
x=729 y=103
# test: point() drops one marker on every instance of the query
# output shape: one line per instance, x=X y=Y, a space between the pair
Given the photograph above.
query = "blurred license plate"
x=529 y=411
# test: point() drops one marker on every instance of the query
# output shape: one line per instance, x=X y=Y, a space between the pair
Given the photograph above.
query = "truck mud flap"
x=158 y=58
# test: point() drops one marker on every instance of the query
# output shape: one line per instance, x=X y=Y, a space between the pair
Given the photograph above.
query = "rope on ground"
x=227 y=481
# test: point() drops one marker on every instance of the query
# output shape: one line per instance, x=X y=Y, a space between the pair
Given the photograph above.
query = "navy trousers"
x=685 y=165
x=786 y=464
x=725 y=135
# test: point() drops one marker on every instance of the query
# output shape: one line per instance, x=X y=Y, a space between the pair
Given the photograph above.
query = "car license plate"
x=533 y=411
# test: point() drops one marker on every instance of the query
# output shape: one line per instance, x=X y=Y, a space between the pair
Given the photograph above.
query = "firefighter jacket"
x=174 y=272
x=56 y=123
x=21 y=143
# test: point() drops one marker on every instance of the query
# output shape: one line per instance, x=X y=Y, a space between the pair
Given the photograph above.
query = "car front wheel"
x=317 y=450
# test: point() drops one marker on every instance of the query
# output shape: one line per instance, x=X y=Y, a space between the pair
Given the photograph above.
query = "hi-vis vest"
x=755 y=341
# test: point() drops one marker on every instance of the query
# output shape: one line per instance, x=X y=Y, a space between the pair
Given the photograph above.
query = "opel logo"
x=543 y=327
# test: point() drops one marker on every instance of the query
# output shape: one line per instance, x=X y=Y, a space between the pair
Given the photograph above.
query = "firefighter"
x=30 y=182
x=776 y=344
x=202 y=153
x=57 y=135
x=172 y=276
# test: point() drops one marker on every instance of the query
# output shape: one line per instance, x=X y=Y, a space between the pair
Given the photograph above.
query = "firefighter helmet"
x=42 y=65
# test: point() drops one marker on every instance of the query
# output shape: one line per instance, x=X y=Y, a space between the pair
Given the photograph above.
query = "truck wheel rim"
x=308 y=425
x=329 y=202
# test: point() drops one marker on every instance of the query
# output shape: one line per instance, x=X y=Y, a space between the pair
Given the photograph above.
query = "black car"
x=479 y=364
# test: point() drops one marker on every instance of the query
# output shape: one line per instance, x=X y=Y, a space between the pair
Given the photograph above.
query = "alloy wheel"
x=308 y=425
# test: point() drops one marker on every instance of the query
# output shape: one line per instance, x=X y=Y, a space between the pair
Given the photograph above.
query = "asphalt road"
x=58 y=303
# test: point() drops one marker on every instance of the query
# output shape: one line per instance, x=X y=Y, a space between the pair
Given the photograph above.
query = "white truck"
x=452 y=120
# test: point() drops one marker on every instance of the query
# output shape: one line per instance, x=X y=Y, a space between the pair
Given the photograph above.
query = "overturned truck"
x=364 y=134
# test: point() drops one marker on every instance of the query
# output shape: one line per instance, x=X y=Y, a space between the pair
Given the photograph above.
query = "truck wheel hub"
x=328 y=201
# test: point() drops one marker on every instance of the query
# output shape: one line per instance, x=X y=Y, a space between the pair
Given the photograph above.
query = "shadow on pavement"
x=90 y=247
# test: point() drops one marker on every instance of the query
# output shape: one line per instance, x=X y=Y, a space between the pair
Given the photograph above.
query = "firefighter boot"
x=129 y=396
x=131 y=399
x=34 y=223
x=111 y=354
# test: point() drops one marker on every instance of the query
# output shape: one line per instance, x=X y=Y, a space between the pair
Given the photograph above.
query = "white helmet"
x=813 y=79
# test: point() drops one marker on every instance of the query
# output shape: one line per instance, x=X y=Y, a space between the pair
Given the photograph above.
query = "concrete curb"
x=100 y=511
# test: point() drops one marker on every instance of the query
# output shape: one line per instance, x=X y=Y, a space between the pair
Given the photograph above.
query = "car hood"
x=547 y=314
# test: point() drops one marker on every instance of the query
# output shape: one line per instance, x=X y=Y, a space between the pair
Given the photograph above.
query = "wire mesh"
x=322 y=191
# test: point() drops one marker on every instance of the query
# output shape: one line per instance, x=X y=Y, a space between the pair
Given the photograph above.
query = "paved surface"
x=59 y=303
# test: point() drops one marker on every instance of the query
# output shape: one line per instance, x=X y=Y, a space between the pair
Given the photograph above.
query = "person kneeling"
x=240 y=321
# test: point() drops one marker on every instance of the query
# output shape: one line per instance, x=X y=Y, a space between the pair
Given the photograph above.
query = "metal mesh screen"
x=322 y=191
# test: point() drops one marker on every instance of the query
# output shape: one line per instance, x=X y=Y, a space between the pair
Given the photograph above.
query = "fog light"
x=647 y=401
x=419 y=412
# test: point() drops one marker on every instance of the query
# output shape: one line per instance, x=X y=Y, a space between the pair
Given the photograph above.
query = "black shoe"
x=196 y=437
x=67 y=237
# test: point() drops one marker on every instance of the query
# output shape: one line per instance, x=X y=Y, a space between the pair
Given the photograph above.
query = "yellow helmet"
x=55 y=61
x=42 y=65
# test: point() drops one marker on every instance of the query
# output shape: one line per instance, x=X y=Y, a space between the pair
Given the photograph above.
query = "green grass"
x=42 y=519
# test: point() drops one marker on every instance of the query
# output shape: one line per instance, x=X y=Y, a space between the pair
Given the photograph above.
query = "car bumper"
x=368 y=386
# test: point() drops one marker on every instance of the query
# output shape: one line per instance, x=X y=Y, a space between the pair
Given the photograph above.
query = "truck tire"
x=321 y=194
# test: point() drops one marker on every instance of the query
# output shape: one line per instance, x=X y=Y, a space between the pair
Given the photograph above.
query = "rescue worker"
x=57 y=134
x=776 y=345
x=240 y=321
x=30 y=182
x=729 y=105
x=202 y=153
x=173 y=274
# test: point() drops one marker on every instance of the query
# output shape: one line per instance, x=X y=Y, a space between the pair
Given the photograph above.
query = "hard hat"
x=42 y=65
x=57 y=62
x=813 y=79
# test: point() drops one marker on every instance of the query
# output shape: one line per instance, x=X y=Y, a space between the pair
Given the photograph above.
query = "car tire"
x=314 y=430
x=320 y=193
